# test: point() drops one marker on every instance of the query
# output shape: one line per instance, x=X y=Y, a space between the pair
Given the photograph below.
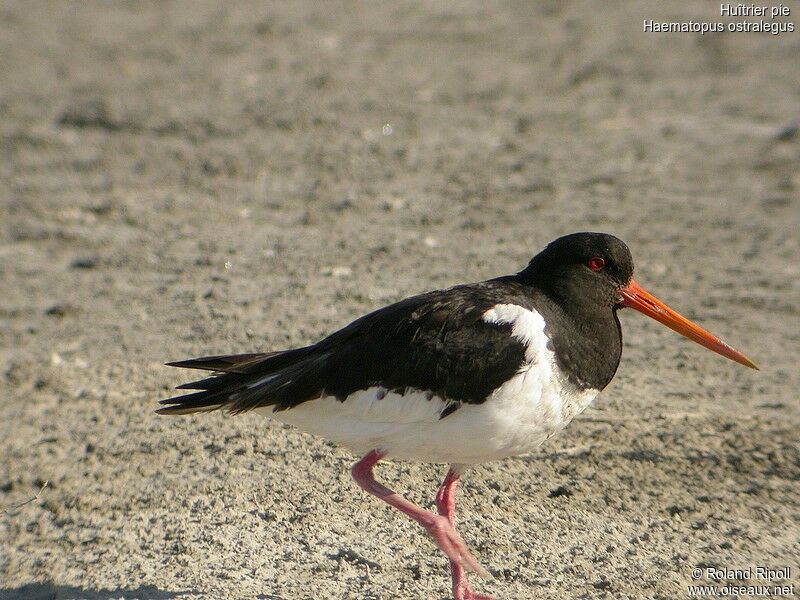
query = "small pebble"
x=84 y=263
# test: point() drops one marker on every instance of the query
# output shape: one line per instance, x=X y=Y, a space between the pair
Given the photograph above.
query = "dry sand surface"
x=186 y=178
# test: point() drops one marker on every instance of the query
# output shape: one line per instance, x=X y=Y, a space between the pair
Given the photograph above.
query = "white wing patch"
x=526 y=325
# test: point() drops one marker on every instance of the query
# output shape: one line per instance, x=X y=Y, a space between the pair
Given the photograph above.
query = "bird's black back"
x=437 y=342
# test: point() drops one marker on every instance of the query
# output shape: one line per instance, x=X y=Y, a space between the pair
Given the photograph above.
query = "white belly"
x=511 y=421
x=516 y=417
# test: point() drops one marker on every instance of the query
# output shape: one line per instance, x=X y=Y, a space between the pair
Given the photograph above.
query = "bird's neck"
x=588 y=348
x=586 y=336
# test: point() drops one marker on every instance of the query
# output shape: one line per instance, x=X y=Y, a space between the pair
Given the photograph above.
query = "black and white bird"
x=465 y=375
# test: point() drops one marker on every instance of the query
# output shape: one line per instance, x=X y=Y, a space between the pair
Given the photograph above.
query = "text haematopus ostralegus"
x=465 y=375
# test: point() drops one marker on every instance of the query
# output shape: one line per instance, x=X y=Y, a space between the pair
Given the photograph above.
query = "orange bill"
x=635 y=297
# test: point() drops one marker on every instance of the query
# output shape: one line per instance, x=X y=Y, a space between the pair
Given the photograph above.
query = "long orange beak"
x=634 y=296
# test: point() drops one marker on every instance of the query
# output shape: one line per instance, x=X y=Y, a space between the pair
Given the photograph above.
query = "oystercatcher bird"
x=469 y=374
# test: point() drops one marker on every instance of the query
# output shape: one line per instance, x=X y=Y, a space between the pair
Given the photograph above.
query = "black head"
x=582 y=269
x=590 y=275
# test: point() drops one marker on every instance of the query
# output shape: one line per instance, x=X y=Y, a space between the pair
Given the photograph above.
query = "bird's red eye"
x=597 y=263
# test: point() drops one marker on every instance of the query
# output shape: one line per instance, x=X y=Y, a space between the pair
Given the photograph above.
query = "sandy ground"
x=180 y=179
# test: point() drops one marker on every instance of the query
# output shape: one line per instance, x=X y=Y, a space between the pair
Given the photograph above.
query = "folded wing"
x=437 y=343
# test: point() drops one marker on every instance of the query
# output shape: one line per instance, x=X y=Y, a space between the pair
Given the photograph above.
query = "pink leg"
x=437 y=526
x=446 y=504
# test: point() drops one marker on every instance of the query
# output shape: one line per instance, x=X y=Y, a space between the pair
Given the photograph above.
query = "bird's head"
x=593 y=273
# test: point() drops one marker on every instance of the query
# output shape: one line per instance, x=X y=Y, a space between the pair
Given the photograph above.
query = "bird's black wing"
x=436 y=342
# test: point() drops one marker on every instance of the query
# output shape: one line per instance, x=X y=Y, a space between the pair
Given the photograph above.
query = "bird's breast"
x=533 y=406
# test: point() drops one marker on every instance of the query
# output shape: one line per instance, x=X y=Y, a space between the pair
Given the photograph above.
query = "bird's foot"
x=468 y=594
x=461 y=589
x=449 y=542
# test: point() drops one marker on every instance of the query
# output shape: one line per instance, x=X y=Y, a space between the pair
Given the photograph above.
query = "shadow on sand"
x=47 y=591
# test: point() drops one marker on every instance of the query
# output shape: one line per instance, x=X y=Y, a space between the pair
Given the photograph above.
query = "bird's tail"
x=240 y=382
